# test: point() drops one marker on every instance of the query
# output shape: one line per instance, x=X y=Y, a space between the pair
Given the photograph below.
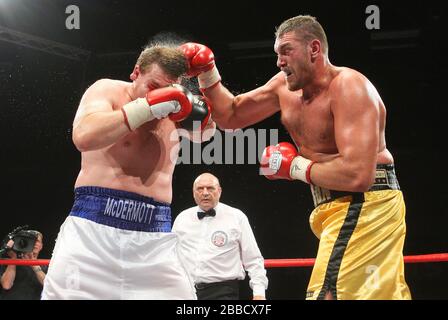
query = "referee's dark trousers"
x=225 y=290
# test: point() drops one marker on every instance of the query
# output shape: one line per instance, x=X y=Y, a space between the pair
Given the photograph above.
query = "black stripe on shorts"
x=334 y=264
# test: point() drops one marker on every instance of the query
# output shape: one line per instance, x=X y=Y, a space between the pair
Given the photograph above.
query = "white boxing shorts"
x=116 y=245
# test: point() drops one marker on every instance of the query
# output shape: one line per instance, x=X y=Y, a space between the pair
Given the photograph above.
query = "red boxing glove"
x=174 y=101
x=284 y=162
x=173 y=93
x=201 y=62
x=276 y=161
x=200 y=58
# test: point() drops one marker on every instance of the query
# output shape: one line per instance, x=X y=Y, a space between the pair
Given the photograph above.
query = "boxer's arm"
x=357 y=134
x=96 y=124
x=232 y=112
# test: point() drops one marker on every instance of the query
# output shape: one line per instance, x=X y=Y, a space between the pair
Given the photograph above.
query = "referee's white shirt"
x=220 y=248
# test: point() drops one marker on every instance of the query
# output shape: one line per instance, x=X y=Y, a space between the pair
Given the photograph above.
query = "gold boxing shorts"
x=360 y=253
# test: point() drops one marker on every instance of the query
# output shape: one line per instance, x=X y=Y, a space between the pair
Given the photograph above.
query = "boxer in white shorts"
x=117 y=242
x=116 y=245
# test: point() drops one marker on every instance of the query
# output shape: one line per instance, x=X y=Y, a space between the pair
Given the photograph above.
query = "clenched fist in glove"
x=282 y=161
x=174 y=101
x=201 y=63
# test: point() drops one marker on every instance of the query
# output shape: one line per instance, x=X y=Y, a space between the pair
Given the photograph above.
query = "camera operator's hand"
x=11 y=253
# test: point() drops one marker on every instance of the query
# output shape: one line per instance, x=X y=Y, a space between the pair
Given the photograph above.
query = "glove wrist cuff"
x=136 y=113
x=209 y=78
x=301 y=169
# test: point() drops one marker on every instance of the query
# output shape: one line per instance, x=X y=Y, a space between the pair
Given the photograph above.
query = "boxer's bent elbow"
x=82 y=140
x=362 y=182
x=229 y=123
x=359 y=186
x=224 y=125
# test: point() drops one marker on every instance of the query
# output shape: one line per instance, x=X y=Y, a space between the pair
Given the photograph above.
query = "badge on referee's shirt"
x=219 y=238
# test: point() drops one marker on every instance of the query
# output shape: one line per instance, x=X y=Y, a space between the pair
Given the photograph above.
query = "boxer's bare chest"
x=310 y=123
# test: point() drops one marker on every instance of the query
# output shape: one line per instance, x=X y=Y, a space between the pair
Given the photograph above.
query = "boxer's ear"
x=315 y=48
x=135 y=73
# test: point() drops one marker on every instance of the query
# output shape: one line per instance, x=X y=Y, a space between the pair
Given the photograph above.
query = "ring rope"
x=309 y=262
x=268 y=263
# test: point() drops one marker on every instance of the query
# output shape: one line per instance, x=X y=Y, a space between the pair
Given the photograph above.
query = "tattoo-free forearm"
x=8 y=277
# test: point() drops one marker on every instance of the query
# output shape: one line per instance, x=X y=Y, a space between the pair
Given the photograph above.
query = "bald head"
x=206 y=191
x=206 y=177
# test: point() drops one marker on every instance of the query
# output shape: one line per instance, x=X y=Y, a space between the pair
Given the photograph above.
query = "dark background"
x=40 y=90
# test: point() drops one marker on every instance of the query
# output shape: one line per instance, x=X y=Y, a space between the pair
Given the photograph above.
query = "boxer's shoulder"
x=110 y=85
x=116 y=91
x=348 y=82
x=343 y=76
x=277 y=81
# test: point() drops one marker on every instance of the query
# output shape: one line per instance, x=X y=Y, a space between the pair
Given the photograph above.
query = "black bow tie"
x=202 y=214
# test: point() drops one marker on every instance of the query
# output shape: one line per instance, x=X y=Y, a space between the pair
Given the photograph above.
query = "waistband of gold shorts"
x=385 y=179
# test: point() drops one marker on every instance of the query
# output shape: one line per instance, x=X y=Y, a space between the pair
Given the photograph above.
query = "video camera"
x=24 y=240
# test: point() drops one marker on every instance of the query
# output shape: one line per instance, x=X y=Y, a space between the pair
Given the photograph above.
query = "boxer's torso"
x=311 y=123
x=140 y=162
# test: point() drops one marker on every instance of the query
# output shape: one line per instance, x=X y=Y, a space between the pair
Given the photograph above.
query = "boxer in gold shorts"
x=337 y=119
x=361 y=242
